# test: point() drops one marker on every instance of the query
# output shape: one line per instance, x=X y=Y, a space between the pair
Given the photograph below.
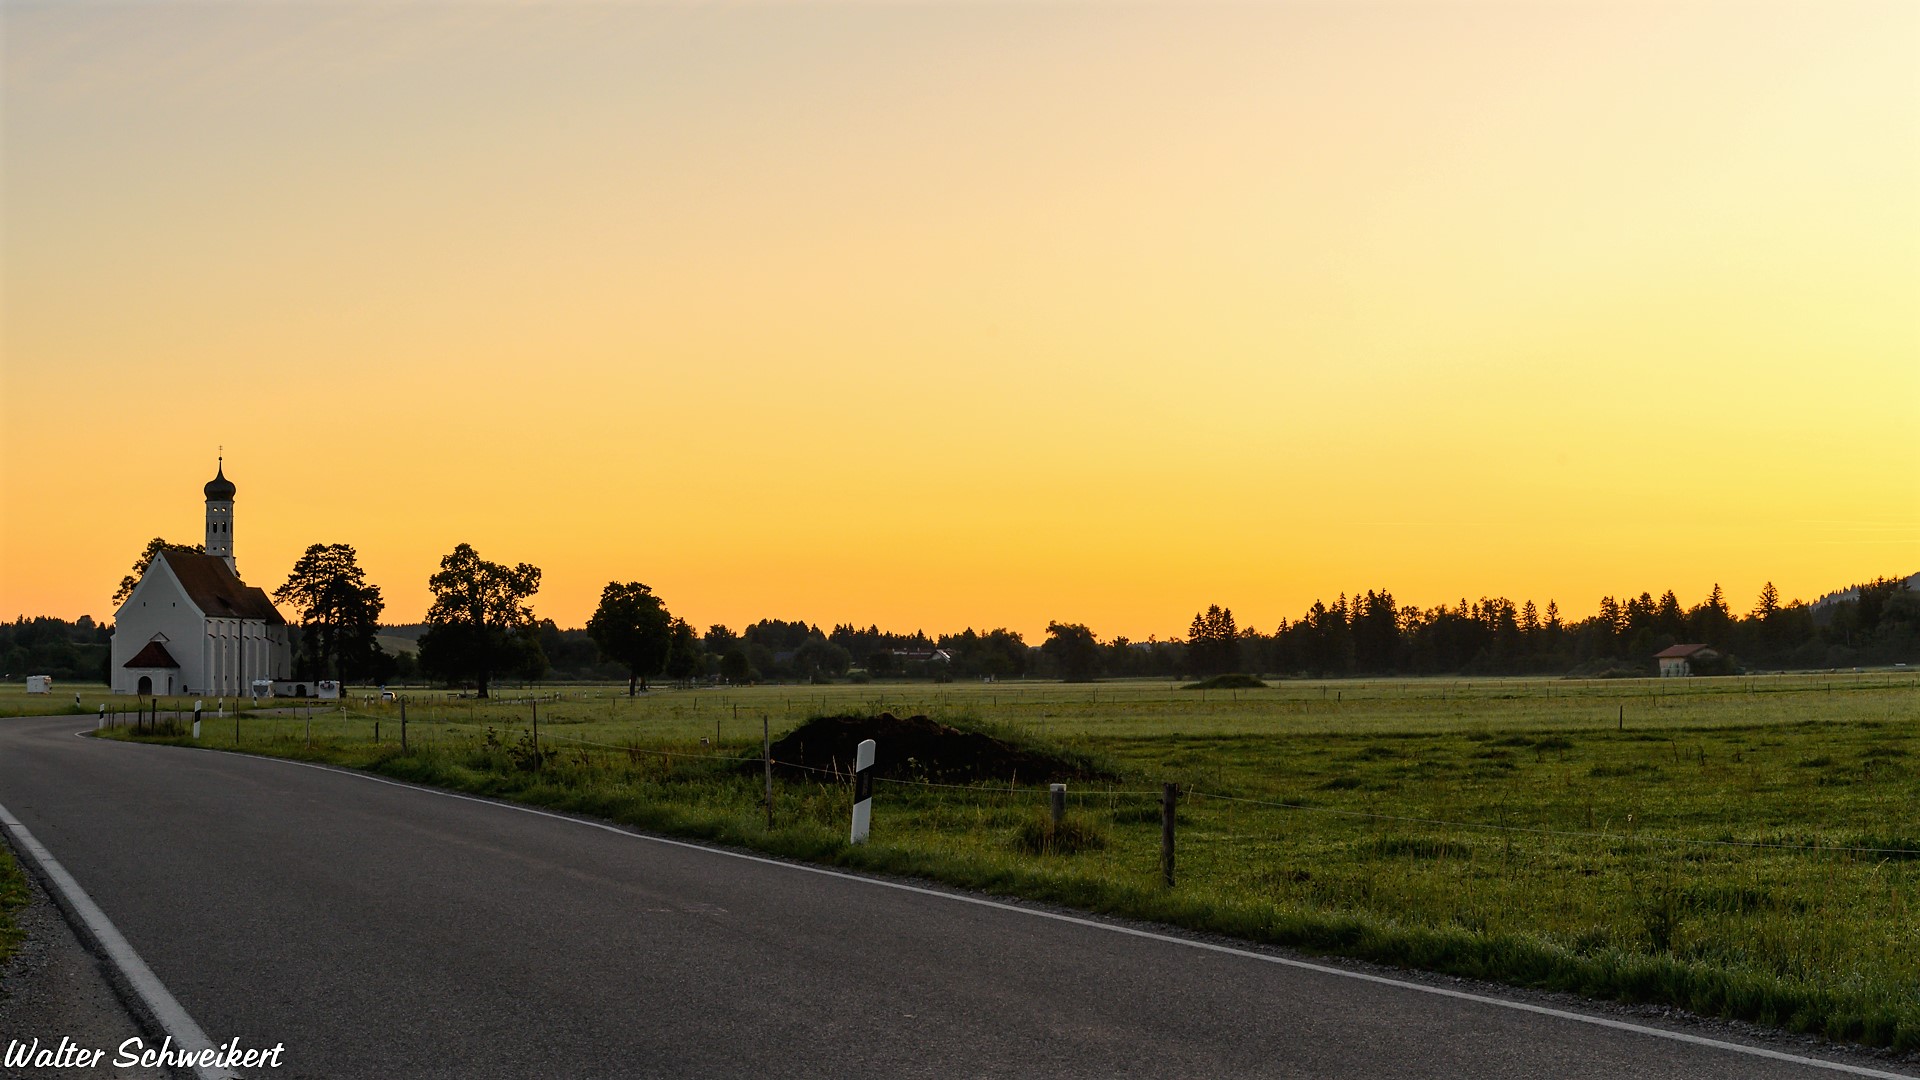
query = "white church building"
x=192 y=626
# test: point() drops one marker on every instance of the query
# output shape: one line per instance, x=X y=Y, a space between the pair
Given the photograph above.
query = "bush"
x=525 y=754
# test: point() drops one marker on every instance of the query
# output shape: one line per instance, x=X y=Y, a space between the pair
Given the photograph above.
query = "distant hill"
x=1852 y=592
x=404 y=638
x=394 y=646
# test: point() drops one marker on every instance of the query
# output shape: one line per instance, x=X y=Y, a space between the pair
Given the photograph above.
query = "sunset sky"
x=937 y=315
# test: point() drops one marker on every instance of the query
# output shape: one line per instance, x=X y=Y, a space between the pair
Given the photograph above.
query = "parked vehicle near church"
x=324 y=689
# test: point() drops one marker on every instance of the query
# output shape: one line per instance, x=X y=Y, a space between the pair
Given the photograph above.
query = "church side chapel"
x=191 y=626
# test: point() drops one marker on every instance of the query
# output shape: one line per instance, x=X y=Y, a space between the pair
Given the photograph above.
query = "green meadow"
x=1740 y=847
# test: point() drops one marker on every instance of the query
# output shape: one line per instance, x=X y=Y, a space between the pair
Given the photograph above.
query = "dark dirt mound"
x=918 y=748
x=1228 y=682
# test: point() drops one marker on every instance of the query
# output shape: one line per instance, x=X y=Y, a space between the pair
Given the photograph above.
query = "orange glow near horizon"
x=955 y=315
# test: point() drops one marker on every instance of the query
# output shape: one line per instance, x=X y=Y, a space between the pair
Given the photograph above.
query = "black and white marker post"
x=862 y=791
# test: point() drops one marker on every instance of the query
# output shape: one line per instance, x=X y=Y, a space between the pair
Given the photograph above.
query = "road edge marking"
x=1077 y=920
x=136 y=975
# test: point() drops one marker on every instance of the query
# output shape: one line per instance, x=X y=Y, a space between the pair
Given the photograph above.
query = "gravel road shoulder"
x=53 y=987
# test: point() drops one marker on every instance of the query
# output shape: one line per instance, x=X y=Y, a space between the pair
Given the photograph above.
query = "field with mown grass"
x=15 y=701
x=1743 y=847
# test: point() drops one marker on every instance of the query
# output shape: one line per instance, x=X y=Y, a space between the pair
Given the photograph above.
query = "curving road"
x=382 y=930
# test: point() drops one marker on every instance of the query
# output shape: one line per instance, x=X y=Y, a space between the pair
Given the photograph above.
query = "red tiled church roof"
x=155 y=655
x=213 y=588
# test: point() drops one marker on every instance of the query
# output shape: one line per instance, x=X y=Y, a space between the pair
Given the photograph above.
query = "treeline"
x=1365 y=634
x=482 y=627
x=1370 y=634
x=75 y=651
x=771 y=649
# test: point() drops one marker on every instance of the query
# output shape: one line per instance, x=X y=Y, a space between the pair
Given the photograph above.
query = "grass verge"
x=13 y=897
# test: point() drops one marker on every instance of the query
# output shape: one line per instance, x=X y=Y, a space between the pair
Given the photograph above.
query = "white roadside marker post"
x=862 y=791
x=196 y=718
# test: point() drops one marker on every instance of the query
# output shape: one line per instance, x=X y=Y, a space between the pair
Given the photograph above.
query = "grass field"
x=1739 y=847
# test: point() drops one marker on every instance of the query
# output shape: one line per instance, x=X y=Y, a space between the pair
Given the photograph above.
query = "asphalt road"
x=379 y=930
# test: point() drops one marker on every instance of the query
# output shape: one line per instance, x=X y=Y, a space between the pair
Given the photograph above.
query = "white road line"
x=1304 y=965
x=173 y=1019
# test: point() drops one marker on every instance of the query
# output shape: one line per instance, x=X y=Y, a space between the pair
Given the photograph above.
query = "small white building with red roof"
x=1677 y=661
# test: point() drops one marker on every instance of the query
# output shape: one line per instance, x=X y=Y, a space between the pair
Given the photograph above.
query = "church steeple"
x=219 y=492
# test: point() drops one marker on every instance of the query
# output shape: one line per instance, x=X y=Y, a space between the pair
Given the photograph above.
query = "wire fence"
x=1483 y=826
x=176 y=722
x=1039 y=793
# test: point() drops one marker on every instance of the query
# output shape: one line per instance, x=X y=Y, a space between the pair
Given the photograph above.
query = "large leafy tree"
x=154 y=547
x=480 y=623
x=817 y=658
x=686 y=657
x=735 y=667
x=339 y=612
x=719 y=639
x=632 y=628
x=1075 y=649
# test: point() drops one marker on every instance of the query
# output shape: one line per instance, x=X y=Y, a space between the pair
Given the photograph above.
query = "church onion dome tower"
x=220 y=488
x=220 y=516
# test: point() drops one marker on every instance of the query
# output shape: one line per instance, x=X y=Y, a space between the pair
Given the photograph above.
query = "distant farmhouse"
x=1678 y=660
x=922 y=656
x=192 y=626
